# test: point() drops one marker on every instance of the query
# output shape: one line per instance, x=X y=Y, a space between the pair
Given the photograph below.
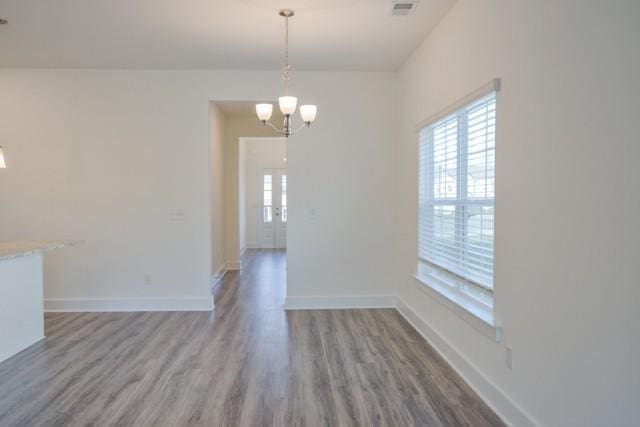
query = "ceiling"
x=211 y=34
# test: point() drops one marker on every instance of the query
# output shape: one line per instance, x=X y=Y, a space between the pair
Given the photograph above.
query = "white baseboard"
x=53 y=305
x=234 y=265
x=493 y=396
x=339 y=302
x=255 y=245
x=218 y=275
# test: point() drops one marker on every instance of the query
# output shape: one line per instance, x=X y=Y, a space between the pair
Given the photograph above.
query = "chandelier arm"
x=302 y=126
x=274 y=128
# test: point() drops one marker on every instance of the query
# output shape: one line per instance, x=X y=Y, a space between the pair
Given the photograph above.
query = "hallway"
x=247 y=363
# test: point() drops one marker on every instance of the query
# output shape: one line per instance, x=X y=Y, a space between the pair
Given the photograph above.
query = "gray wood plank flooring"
x=248 y=363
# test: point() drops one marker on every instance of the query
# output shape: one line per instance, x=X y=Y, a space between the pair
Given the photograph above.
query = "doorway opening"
x=249 y=209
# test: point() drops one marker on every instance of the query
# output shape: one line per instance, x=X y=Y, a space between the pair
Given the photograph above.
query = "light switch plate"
x=176 y=215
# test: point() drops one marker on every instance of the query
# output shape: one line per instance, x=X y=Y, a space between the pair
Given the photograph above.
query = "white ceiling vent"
x=403 y=7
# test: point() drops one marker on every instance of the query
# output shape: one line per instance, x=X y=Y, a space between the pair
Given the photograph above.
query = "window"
x=283 y=198
x=456 y=200
x=267 y=202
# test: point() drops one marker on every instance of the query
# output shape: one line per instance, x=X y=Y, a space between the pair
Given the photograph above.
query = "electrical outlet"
x=148 y=280
x=508 y=357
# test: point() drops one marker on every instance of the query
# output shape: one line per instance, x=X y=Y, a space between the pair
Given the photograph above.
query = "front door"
x=274 y=208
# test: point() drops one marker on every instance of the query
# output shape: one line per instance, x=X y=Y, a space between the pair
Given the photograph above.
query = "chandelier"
x=287 y=103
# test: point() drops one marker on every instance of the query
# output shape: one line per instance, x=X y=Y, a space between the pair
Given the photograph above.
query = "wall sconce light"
x=2 y=163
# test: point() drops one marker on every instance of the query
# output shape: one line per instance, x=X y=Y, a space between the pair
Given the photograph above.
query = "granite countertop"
x=11 y=250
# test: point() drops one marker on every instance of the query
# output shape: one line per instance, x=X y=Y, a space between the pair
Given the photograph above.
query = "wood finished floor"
x=247 y=363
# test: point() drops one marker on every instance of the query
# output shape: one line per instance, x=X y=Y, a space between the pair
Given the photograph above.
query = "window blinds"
x=456 y=193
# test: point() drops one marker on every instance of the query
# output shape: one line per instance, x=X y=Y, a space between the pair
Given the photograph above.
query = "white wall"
x=567 y=207
x=260 y=154
x=107 y=156
x=217 y=169
x=342 y=167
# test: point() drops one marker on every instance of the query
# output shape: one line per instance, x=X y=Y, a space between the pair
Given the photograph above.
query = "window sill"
x=477 y=315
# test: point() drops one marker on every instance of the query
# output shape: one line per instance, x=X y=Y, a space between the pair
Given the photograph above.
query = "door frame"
x=277 y=226
x=243 y=203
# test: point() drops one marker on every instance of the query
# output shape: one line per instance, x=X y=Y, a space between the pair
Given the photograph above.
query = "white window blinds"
x=456 y=196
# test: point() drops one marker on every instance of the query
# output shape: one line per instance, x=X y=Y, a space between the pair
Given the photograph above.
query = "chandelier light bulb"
x=264 y=111
x=308 y=113
x=288 y=104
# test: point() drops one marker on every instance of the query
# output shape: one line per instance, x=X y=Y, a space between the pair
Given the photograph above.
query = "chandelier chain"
x=287 y=69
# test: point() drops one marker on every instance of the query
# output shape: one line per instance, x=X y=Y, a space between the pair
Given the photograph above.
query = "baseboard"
x=491 y=394
x=339 y=302
x=218 y=275
x=234 y=265
x=53 y=305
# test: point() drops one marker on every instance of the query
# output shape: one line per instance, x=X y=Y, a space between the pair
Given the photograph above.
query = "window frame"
x=473 y=296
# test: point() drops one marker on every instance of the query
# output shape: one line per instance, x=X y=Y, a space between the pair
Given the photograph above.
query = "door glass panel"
x=283 y=200
x=267 y=199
